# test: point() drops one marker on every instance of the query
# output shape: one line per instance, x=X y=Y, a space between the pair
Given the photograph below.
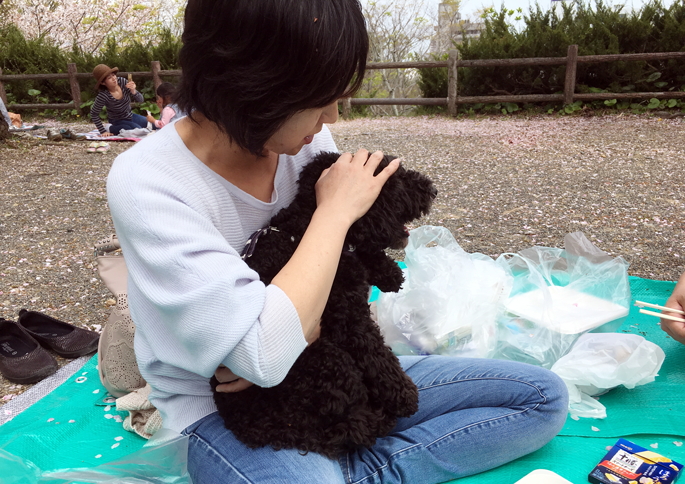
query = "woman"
x=116 y=95
x=261 y=80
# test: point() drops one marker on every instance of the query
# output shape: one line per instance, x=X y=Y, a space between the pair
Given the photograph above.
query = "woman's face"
x=110 y=82
x=300 y=129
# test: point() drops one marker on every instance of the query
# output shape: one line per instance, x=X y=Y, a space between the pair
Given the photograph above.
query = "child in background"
x=170 y=112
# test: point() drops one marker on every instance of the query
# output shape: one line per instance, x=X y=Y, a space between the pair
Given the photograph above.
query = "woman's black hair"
x=165 y=89
x=249 y=65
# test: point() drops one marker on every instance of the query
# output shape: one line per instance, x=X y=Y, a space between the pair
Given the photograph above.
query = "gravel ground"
x=505 y=183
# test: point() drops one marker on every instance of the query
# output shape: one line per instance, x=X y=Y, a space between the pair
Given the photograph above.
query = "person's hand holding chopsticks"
x=676 y=329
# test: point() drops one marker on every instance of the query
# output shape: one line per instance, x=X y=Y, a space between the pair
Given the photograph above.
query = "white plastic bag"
x=162 y=460
x=449 y=301
x=600 y=362
x=557 y=295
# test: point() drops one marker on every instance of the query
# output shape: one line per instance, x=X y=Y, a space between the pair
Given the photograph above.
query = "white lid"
x=543 y=476
x=572 y=312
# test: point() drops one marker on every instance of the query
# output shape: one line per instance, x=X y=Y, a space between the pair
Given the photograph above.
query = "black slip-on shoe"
x=66 y=340
x=22 y=359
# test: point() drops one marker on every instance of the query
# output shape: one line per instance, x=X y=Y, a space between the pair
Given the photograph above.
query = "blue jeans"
x=474 y=415
x=137 y=121
x=5 y=114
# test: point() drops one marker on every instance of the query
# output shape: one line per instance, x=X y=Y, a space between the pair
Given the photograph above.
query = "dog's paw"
x=391 y=280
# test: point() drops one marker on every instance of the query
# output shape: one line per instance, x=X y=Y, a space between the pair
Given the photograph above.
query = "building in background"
x=451 y=29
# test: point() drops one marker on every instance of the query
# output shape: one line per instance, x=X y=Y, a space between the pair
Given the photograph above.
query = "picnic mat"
x=95 y=135
x=25 y=127
x=74 y=426
x=650 y=414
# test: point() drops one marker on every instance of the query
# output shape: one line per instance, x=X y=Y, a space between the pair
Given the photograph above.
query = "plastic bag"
x=600 y=362
x=449 y=301
x=162 y=460
x=557 y=295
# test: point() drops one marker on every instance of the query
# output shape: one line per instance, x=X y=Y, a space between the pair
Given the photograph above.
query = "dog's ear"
x=310 y=174
x=312 y=171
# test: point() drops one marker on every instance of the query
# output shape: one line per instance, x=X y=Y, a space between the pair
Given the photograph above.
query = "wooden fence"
x=155 y=73
x=571 y=62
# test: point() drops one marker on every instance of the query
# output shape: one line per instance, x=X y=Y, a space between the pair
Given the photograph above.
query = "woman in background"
x=116 y=95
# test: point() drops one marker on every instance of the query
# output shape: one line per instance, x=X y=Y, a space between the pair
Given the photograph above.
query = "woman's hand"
x=348 y=188
x=131 y=87
x=150 y=118
x=106 y=134
x=230 y=383
x=344 y=193
x=676 y=329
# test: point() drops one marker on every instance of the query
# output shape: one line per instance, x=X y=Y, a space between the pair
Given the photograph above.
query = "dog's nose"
x=434 y=192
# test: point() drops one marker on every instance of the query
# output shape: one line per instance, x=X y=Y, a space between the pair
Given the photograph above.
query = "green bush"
x=433 y=80
x=598 y=29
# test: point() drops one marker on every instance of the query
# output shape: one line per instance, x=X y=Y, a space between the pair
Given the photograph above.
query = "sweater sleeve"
x=95 y=110
x=196 y=302
x=167 y=114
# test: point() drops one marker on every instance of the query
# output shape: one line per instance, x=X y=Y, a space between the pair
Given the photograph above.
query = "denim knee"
x=139 y=121
x=556 y=405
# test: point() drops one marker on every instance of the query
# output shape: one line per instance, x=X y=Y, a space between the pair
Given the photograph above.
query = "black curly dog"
x=347 y=388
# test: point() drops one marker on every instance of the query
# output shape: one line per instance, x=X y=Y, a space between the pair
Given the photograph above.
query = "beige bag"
x=116 y=358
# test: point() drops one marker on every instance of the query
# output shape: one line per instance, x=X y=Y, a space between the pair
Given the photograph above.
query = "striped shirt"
x=116 y=108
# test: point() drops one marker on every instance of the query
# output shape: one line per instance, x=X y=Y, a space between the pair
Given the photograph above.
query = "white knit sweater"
x=195 y=303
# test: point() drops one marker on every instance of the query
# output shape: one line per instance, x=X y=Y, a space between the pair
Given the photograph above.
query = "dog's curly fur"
x=347 y=388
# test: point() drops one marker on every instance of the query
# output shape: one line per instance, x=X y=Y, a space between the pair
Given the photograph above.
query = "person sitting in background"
x=170 y=111
x=116 y=95
x=676 y=329
x=5 y=114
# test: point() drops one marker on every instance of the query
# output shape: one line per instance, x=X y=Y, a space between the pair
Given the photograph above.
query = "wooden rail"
x=73 y=75
x=452 y=100
x=571 y=62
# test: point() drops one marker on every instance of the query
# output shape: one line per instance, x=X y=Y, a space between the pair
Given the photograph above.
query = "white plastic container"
x=543 y=476
x=571 y=311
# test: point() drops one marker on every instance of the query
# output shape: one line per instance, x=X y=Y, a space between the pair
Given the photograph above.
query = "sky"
x=468 y=7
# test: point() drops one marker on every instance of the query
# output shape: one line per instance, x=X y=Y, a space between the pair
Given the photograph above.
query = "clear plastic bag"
x=558 y=295
x=449 y=301
x=162 y=460
x=600 y=362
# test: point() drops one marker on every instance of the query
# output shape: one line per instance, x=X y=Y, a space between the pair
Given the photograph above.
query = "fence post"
x=570 y=83
x=452 y=62
x=3 y=94
x=346 y=107
x=75 y=88
x=155 y=74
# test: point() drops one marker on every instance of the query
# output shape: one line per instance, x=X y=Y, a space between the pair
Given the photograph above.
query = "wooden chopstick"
x=661 y=315
x=641 y=304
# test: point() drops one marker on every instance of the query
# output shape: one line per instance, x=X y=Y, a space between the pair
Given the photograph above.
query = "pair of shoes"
x=66 y=340
x=98 y=147
x=22 y=357
x=69 y=134
x=54 y=135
